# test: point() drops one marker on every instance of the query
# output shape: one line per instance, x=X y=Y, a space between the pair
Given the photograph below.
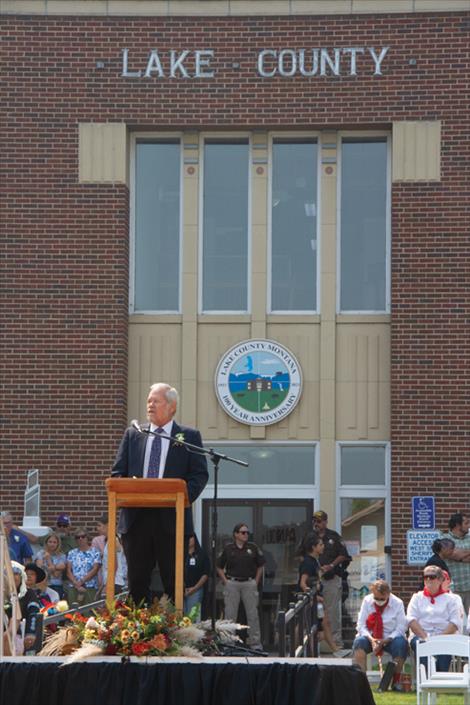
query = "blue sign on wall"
x=424 y=515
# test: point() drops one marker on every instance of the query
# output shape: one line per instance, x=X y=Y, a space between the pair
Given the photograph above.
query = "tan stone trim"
x=416 y=151
x=102 y=153
x=231 y=8
x=327 y=252
x=224 y=318
x=151 y=318
x=375 y=6
x=189 y=275
x=363 y=318
x=363 y=381
x=293 y=318
x=259 y=157
x=439 y=6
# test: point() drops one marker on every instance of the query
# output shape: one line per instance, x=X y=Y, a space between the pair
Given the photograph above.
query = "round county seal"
x=258 y=382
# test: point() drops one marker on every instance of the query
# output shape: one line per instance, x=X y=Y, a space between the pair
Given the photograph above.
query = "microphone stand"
x=215 y=459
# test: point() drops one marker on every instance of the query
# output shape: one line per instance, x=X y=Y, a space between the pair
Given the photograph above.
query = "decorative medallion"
x=258 y=382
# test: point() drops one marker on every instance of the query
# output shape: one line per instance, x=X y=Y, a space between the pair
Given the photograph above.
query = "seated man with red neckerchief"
x=381 y=626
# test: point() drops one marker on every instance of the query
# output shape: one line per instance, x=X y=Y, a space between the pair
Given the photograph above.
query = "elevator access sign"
x=419 y=546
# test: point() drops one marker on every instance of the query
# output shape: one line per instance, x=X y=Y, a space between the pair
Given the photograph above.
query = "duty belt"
x=238 y=580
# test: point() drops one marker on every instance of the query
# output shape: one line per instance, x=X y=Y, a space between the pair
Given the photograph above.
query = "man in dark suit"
x=148 y=535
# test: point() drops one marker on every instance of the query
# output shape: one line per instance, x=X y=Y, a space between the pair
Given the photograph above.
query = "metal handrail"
x=61 y=616
x=89 y=607
x=298 y=627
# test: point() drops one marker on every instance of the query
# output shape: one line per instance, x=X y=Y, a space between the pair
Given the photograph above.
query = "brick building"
x=182 y=176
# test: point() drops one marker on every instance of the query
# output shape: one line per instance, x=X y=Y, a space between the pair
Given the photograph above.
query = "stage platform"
x=182 y=681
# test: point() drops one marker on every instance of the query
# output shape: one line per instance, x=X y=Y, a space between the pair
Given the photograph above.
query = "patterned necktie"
x=155 y=454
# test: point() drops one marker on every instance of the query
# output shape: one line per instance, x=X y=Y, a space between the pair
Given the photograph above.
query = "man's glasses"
x=62 y=526
x=430 y=576
x=243 y=532
x=81 y=536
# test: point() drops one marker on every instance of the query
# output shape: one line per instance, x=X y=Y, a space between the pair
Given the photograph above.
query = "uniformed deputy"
x=240 y=566
x=333 y=561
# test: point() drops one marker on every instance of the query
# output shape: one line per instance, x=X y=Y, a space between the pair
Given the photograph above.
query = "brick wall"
x=65 y=245
x=430 y=348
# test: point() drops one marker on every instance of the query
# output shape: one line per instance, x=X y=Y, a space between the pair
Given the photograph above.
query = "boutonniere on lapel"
x=179 y=439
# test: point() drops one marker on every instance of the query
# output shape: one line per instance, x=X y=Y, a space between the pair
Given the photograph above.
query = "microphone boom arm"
x=196 y=449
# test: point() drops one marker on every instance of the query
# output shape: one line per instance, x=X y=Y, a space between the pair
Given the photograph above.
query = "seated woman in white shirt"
x=433 y=612
x=381 y=626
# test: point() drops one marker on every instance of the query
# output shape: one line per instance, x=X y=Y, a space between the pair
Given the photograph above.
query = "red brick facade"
x=65 y=245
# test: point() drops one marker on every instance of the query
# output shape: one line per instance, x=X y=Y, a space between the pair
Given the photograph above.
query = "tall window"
x=363 y=501
x=157 y=226
x=294 y=226
x=225 y=226
x=364 y=225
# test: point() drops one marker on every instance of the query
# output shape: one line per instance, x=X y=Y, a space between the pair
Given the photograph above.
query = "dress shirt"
x=434 y=618
x=393 y=617
x=165 y=447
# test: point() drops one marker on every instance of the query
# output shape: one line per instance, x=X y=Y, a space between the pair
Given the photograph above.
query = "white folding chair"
x=429 y=681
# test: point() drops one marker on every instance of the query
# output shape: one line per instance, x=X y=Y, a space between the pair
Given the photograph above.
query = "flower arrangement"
x=179 y=439
x=128 y=630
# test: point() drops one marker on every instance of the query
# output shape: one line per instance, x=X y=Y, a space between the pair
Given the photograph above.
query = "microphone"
x=135 y=424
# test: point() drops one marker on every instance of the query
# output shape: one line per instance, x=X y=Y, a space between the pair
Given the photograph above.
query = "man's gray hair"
x=171 y=393
x=6 y=515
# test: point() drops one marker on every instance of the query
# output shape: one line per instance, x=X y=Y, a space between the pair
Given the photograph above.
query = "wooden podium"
x=148 y=493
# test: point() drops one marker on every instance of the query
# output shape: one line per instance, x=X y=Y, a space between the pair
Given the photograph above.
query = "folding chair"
x=429 y=681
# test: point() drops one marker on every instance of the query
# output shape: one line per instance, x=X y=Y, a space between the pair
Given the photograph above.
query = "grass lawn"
x=391 y=698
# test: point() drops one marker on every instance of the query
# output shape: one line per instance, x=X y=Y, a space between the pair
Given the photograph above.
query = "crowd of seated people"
x=383 y=624
x=71 y=564
x=65 y=568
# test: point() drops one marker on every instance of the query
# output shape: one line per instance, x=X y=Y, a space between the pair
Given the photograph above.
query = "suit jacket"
x=180 y=463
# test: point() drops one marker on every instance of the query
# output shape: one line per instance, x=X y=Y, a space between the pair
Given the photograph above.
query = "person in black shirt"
x=309 y=577
x=441 y=549
x=196 y=574
x=334 y=561
x=240 y=567
x=30 y=607
x=310 y=569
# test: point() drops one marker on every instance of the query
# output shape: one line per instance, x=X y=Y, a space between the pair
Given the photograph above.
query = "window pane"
x=363 y=530
x=362 y=465
x=268 y=465
x=225 y=223
x=363 y=225
x=294 y=226
x=157 y=226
